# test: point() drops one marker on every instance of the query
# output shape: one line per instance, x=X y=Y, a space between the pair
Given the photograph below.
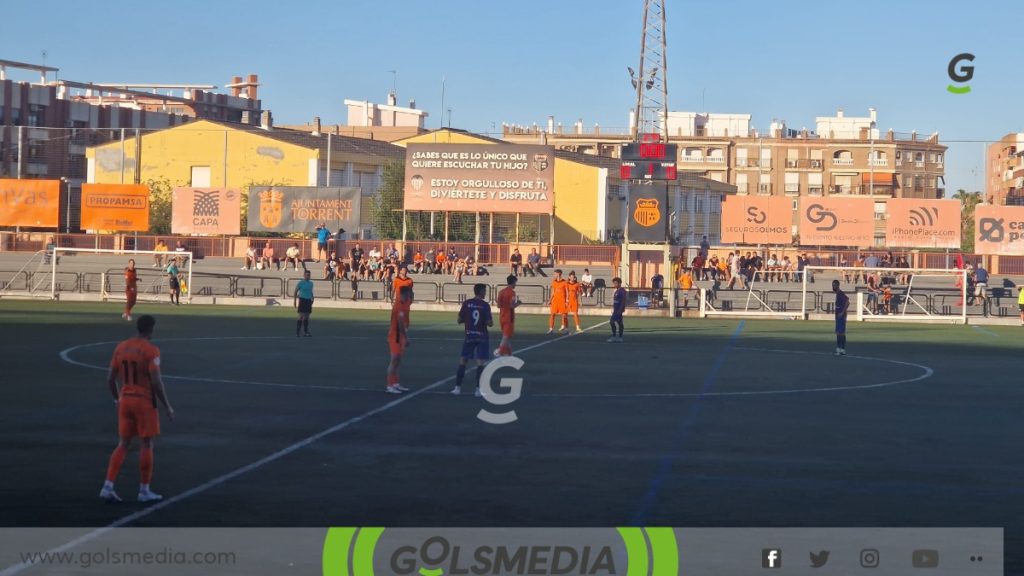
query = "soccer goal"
x=100 y=273
x=889 y=294
x=764 y=293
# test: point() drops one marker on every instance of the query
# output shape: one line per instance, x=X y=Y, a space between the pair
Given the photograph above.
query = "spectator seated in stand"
x=250 y=258
x=587 y=283
x=292 y=256
x=515 y=262
x=267 y=257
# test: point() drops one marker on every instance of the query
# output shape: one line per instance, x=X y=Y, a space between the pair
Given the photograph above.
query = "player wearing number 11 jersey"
x=475 y=314
x=136 y=366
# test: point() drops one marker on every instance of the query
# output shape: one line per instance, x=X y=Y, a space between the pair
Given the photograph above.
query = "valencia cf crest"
x=540 y=162
x=647 y=212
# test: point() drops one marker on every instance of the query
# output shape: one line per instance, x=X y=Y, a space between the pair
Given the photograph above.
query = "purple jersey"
x=476 y=315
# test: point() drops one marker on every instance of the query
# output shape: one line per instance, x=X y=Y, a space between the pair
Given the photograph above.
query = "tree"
x=968 y=201
x=161 y=194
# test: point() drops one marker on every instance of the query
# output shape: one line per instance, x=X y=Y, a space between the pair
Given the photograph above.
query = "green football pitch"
x=714 y=422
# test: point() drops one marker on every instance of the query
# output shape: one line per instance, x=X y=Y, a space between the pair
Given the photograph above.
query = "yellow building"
x=590 y=198
x=214 y=154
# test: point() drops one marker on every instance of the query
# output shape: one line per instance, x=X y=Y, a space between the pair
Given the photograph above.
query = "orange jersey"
x=559 y=288
x=398 y=282
x=506 y=301
x=131 y=279
x=399 y=314
x=132 y=361
x=574 y=290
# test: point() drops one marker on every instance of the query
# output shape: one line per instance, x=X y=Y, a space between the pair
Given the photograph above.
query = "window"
x=907 y=182
x=792 y=183
x=938 y=158
x=741 y=183
x=36 y=114
x=200 y=176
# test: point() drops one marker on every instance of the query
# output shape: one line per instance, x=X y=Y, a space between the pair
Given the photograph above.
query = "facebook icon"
x=771 y=558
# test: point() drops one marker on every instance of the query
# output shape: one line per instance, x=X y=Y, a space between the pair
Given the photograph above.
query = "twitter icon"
x=820 y=559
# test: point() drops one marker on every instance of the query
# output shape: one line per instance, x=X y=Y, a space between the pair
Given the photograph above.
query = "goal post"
x=889 y=294
x=105 y=267
x=761 y=293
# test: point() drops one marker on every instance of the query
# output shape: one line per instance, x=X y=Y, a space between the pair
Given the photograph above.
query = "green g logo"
x=959 y=72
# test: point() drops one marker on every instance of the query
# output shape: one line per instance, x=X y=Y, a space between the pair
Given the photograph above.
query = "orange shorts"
x=397 y=348
x=559 y=308
x=136 y=416
x=574 y=308
x=508 y=329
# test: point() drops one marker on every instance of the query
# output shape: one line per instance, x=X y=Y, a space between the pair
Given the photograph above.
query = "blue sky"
x=521 y=61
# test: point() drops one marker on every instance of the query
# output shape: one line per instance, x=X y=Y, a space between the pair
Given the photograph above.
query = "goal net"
x=889 y=294
x=771 y=293
x=100 y=273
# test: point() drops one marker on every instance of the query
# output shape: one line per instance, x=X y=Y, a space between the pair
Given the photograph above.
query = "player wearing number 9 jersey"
x=475 y=314
x=136 y=366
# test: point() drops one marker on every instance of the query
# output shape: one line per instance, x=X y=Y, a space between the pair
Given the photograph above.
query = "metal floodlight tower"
x=650 y=116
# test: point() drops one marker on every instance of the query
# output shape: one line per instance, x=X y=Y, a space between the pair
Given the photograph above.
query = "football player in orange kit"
x=559 y=303
x=398 y=338
x=507 y=304
x=131 y=289
x=136 y=365
x=574 y=290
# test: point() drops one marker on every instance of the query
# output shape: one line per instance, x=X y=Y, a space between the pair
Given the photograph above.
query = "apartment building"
x=844 y=155
x=1004 y=171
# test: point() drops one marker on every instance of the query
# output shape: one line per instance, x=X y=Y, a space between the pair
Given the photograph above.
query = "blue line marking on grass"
x=984 y=330
x=687 y=424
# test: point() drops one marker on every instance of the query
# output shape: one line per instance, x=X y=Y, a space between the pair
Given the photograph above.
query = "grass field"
x=688 y=423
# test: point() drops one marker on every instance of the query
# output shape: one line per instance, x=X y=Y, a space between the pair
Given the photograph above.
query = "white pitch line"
x=984 y=330
x=926 y=373
x=17 y=568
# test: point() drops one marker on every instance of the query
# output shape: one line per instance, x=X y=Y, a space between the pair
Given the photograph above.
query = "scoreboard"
x=648 y=159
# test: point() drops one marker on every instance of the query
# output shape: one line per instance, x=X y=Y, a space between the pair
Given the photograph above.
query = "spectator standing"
x=323 y=234
x=355 y=257
x=980 y=284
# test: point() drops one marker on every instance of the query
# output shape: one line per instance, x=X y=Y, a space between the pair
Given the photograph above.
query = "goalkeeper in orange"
x=559 y=302
x=507 y=304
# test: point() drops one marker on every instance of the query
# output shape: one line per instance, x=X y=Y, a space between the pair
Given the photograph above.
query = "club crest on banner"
x=647 y=212
x=271 y=208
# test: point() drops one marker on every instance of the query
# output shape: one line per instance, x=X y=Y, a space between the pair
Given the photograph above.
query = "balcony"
x=741 y=188
x=764 y=189
x=814 y=190
x=716 y=159
x=747 y=162
x=919 y=163
x=842 y=161
x=839 y=189
x=803 y=163
x=879 y=162
x=692 y=159
x=793 y=189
